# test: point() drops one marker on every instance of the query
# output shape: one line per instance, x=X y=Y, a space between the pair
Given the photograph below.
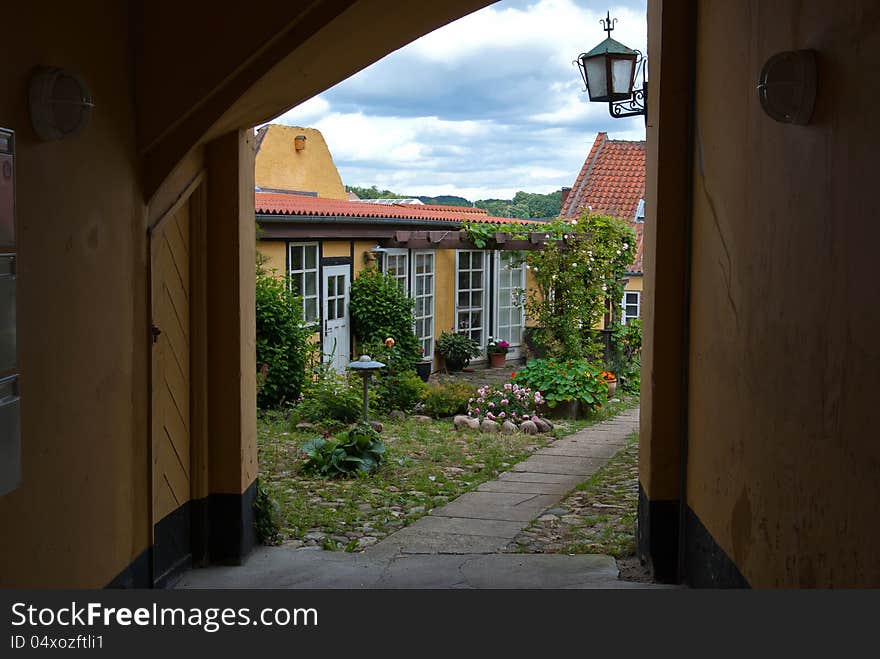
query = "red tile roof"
x=611 y=182
x=277 y=203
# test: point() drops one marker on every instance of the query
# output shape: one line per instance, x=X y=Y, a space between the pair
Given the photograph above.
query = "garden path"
x=458 y=545
x=486 y=520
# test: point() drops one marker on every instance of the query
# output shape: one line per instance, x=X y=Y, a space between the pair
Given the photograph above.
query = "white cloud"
x=483 y=107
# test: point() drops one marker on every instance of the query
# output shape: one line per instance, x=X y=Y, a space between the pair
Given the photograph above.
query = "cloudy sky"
x=483 y=107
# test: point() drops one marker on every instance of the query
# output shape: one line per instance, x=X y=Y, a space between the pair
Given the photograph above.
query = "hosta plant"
x=360 y=450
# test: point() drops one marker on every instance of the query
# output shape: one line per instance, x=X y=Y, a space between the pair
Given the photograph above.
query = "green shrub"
x=380 y=309
x=284 y=348
x=267 y=515
x=399 y=391
x=360 y=450
x=448 y=399
x=625 y=362
x=560 y=380
x=330 y=399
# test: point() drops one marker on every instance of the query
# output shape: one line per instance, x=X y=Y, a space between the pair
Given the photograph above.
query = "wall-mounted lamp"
x=373 y=255
x=787 y=86
x=609 y=72
x=60 y=103
x=299 y=142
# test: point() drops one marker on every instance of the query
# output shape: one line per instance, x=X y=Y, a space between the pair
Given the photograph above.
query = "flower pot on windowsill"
x=497 y=359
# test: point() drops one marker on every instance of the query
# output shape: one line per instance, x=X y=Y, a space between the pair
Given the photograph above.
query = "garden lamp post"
x=365 y=367
x=609 y=71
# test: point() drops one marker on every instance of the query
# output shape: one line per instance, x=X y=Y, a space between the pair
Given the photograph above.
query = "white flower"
x=574 y=222
x=626 y=245
x=604 y=287
x=574 y=265
x=618 y=252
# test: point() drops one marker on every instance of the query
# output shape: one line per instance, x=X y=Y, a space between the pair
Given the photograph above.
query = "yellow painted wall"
x=275 y=253
x=783 y=456
x=279 y=165
x=634 y=283
x=81 y=513
x=336 y=248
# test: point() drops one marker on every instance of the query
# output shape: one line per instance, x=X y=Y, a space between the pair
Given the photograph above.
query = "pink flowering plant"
x=499 y=346
x=507 y=402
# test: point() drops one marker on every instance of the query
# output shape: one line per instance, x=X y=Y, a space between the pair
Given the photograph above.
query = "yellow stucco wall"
x=336 y=248
x=275 y=253
x=634 y=283
x=81 y=512
x=783 y=458
x=279 y=165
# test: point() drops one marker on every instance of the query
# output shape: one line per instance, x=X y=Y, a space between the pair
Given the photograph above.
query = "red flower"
x=513 y=375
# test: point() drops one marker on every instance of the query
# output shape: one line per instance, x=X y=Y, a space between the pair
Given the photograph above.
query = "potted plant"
x=611 y=381
x=423 y=368
x=497 y=351
x=457 y=350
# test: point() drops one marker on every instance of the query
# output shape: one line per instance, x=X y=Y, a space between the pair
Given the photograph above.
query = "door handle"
x=155 y=332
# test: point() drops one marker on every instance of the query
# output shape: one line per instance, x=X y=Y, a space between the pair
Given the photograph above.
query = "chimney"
x=565 y=193
x=299 y=142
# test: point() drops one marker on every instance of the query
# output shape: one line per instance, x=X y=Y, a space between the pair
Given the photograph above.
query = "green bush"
x=381 y=309
x=284 y=348
x=399 y=391
x=625 y=362
x=560 y=380
x=359 y=450
x=448 y=399
x=330 y=399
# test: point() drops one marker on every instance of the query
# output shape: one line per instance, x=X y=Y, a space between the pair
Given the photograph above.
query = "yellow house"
x=322 y=241
x=612 y=182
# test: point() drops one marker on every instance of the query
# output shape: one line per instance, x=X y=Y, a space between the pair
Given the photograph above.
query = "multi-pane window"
x=631 y=305
x=397 y=264
x=423 y=294
x=511 y=292
x=303 y=260
x=471 y=294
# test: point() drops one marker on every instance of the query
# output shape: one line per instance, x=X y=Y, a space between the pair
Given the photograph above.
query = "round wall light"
x=787 y=86
x=60 y=103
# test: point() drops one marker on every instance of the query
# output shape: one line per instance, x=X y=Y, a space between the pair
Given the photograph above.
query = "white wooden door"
x=336 y=337
x=510 y=318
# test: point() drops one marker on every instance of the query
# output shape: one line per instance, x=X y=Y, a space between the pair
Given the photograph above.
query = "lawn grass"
x=427 y=464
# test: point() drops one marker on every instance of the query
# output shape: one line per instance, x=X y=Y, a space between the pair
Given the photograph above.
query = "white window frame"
x=413 y=260
x=500 y=262
x=303 y=271
x=397 y=252
x=626 y=316
x=485 y=298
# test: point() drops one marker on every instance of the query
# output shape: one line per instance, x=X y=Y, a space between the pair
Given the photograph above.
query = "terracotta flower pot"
x=497 y=359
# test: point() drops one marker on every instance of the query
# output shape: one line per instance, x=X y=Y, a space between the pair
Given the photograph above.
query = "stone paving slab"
x=497 y=505
x=521 y=487
x=410 y=541
x=464 y=526
x=574 y=451
x=552 y=464
x=527 y=477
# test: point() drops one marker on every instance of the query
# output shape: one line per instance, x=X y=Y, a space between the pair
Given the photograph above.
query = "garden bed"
x=427 y=465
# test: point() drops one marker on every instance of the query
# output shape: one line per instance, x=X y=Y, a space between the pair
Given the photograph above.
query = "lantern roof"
x=610 y=47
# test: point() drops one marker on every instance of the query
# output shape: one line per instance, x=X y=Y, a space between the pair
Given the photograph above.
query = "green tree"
x=575 y=279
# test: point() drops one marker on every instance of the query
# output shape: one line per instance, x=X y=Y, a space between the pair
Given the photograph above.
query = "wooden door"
x=171 y=381
x=337 y=346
